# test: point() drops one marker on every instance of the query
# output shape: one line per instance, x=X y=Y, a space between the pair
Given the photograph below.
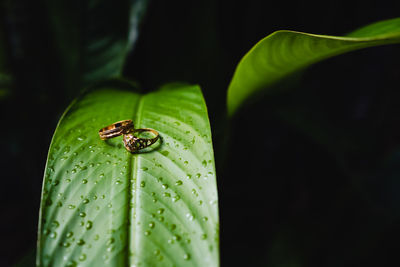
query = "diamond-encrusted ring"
x=116 y=129
x=133 y=142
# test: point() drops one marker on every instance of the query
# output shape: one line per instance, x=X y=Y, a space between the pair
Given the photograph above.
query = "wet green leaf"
x=102 y=205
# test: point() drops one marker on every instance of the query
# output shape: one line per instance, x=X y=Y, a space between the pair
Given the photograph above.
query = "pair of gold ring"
x=131 y=138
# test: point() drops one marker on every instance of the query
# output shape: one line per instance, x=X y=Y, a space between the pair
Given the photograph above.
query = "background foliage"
x=288 y=201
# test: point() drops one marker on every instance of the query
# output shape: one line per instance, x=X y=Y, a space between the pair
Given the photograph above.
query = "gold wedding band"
x=134 y=143
x=116 y=129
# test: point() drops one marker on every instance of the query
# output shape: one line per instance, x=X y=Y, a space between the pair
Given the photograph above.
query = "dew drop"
x=84 y=181
x=152 y=224
x=176 y=198
x=203 y=236
x=160 y=211
x=81 y=137
x=82 y=214
x=53 y=235
x=205 y=219
x=65 y=244
x=118 y=182
x=143 y=184
x=110 y=241
x=49 y=202
x=198 y=175
x=55 y=224
x=179 y=182
x=165 y=194
x=69 y=234
x=144 y=168
x=147 y=233
x=89 y=225
x=80 y=242
x=177 y=237
x=71 y=264
x=156 y=252
x=173 y=227
x=186 y=256
x=165 y=153
x=82 y=257
x=67 y=149
x=71 y=207
x=165 y=186
x=85 y=201
x=213 y=202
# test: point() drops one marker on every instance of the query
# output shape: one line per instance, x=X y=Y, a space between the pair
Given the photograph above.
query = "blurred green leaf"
x=5 y=85
x=102 y=205
x=93 y=37
x=284 y=52
x=6 y=79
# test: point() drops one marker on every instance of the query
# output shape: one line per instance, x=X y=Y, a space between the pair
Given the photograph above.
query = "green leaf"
x=284 y=52
x=93 y=37
x=102 y=205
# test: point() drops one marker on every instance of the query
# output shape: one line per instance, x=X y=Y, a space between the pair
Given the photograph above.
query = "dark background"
x=318 y=188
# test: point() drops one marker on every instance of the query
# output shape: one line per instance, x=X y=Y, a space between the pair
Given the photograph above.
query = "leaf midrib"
x=132 y=177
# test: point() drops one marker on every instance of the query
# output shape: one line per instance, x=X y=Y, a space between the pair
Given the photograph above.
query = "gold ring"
x=134 y=143
x=116 y=129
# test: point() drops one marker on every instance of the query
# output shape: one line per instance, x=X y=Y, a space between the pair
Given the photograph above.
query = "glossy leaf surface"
x=285 y=52
x=103 y=206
